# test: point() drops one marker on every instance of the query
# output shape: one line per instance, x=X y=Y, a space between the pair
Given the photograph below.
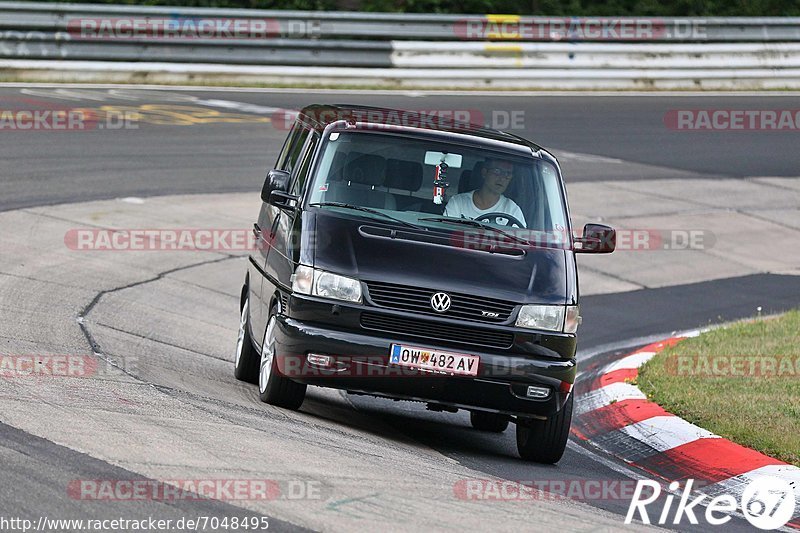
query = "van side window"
x=292 y=147
x=300 y=177
x=287 y=144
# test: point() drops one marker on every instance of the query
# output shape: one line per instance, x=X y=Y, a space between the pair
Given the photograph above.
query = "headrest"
x=471 y=179
x=337 y=166
x=368 y=169
x=406 y=175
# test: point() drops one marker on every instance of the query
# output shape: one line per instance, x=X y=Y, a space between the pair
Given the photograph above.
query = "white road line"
x=663 y=433
x=633 y=361
x=607 y=395
x=737 y=484
x=67 y=94
x=238 y=106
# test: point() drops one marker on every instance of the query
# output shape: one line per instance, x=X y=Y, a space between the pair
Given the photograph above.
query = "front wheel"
x=245 y=366
x=273 y=388
x=544 y=441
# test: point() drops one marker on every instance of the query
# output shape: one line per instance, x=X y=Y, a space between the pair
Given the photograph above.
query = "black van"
x=417 y=259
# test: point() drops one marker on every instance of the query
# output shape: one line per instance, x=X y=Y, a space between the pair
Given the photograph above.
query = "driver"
x=496 y=174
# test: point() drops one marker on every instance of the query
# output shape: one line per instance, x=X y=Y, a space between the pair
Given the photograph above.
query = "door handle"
x=257 y=230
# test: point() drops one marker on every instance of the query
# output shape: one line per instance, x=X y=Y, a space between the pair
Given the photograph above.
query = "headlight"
x=549 y=317
x=307 y=280
x=329 y=285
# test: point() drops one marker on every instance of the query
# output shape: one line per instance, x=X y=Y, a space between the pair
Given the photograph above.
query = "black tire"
x=273 y=388
x=544 y=441
x=493 y=422
x=245 y=365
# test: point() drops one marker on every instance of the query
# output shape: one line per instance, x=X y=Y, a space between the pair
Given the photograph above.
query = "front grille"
x=428 y=330
x=418 y=300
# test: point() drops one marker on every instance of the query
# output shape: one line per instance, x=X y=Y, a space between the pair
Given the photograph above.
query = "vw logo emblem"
x=440 y=302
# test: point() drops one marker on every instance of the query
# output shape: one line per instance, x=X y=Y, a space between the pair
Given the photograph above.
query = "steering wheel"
x=501 y=219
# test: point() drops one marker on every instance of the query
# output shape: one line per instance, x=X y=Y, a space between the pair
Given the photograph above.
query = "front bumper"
x=361 y=364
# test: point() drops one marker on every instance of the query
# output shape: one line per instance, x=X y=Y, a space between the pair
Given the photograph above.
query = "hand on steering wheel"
x=501 y=219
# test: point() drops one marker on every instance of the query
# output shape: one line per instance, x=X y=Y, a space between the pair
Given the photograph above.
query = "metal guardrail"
x=411 y=54
x=54 y=17
x=40 y=45
x=649 y=57
x=468 y=50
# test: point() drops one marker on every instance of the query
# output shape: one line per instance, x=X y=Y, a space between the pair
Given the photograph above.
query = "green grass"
x=758 y=411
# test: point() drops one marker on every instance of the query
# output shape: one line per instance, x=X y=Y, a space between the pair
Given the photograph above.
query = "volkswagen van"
x=420 y=260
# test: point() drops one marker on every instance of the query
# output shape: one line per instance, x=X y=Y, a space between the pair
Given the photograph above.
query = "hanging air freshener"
x=440 y=181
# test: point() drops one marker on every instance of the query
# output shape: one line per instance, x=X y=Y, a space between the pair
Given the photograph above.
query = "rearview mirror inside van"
x=434 y=158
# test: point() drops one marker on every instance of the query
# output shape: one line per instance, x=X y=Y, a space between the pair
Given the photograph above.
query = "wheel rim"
x=242 y=326
x=267 y=355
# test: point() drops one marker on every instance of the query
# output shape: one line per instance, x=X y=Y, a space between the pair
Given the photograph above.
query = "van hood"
x=371 y=250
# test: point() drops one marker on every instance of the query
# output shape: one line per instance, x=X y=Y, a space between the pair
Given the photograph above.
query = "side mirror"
x=277 y=180
x=283 y=200
x=597 y=239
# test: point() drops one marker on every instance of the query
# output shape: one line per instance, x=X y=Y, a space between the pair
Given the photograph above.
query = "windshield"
x=427 y=182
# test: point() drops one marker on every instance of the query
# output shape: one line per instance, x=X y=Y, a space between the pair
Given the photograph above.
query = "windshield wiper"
x=477 y=224
x=366 y=210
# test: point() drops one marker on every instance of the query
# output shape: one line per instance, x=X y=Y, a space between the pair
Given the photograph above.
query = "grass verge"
x=741 y=382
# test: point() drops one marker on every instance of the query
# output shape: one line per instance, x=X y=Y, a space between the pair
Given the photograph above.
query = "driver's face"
x=497 y=175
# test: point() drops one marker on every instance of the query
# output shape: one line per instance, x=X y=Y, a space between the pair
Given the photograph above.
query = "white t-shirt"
x=463 y=204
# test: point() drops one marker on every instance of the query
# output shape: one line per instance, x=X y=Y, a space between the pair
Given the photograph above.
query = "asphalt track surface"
x=43 y=168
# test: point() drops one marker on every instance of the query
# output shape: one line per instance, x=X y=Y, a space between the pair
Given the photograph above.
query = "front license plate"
x=434 y=360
